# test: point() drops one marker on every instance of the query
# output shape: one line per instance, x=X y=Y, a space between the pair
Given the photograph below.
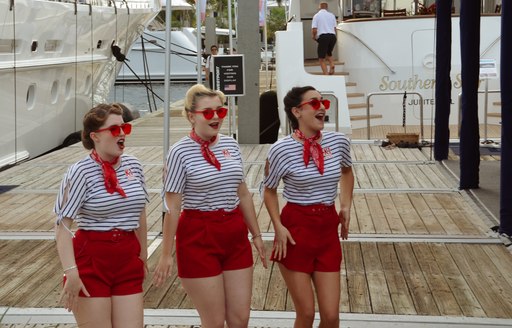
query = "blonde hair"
x=197 y=92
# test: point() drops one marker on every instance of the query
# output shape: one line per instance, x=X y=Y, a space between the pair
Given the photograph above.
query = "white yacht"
x=147 y=57
x=56 y=62
x=380 y=58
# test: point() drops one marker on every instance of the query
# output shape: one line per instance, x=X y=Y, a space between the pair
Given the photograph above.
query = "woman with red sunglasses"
x=105 y=194
x=209 y=211
x=311 y=164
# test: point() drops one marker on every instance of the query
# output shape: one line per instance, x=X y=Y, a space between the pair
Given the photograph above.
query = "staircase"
x=356 y=99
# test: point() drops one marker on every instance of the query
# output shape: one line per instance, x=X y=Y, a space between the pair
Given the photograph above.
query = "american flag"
x=230 y=87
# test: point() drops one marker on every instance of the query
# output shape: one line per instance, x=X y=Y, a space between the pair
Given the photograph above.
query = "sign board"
x=228 y=74
x=488 y=69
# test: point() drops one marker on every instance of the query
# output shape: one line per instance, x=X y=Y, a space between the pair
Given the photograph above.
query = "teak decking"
x=417 y=246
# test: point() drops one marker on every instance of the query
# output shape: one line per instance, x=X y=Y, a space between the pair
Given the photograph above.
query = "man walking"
x=209 y=65
x=323 y=30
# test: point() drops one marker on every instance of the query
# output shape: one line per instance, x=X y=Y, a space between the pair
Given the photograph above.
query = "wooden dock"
x=420 y=252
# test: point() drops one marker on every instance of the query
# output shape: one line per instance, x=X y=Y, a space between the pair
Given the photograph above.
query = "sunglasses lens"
x=127 y=128
x=315 y=103
x=221 y=112
x=208 y=113
x=115 y=130
x=326 y=103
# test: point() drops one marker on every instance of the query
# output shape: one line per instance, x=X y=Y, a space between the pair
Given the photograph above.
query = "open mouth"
x=215 y=125
x=320 y=117
x=120 y=144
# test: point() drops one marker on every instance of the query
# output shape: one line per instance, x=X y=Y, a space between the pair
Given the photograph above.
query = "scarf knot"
x=109 y=174
x=205 y=149
x=312 y=149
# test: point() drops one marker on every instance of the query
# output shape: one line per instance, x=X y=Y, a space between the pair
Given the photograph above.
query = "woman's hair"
x=197 y=92
x=292 y=99
x=95 y=118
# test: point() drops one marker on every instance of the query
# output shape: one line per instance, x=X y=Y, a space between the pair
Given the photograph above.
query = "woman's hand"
x=344 y=216
x=163 y=270
x=281 y=239
x=71 y=290
x=260 y=247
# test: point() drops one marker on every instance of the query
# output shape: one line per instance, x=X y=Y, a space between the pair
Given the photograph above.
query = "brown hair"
x=197 y=92
x=292 y=99
x=95 y=118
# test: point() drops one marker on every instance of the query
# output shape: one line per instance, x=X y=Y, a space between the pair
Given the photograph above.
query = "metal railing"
x=392 y=94
x=486 y=102
x=370 y=49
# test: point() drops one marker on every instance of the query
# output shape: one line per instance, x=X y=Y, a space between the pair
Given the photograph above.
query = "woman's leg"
x=327 y=286
x=238 y=291
x=207 y=294
x=299 y=286
x=128 y=311
x=94 y=312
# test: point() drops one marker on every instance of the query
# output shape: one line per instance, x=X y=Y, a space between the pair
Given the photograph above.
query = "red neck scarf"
x=312 y=148
x=109 y=174
x=205 y=148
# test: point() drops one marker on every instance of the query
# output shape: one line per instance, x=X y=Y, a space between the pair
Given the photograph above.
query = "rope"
x=146 y=75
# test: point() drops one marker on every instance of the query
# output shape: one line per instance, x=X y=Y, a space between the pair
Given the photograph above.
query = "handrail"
x=485 y=110
x=368 y=47
x=371 y=94
x=490 y=46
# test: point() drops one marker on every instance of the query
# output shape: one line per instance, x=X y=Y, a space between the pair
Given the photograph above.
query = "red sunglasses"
x=116 y=129
x=315 y=103
x=209 y=112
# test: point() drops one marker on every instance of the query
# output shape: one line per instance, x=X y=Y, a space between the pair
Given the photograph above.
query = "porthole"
x=31 y=96
x=67 y=92
x=88 y=84
x=55 y=92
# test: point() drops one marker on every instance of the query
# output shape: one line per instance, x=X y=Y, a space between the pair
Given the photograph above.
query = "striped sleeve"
x=346 y=158
x=277 y=168
x=71 y=195
x=175 y=171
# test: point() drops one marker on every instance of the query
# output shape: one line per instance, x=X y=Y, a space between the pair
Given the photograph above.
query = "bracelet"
x=256 y=236
x=70 y=268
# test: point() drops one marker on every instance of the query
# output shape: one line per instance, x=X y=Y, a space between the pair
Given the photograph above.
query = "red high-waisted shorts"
x=315 y=231
x=208 y=243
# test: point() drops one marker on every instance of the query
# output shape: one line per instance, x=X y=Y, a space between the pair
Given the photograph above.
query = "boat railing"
x=132 y=4
x=486 y=102
x=368 y=105
x=369 y=48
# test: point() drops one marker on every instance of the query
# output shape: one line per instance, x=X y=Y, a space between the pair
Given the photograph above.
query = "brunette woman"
x=311 y=164
x=105 y=195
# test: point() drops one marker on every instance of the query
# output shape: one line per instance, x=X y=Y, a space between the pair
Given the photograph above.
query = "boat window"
x=52 y=45
x=67 y=92
x=31 y=96
x=34 y=45
x=88 y=85
x=55 y=92
x=8 y=45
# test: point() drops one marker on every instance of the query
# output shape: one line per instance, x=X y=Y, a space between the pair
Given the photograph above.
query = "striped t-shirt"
x=84 y=198
x=305 y=185
x=202 y=186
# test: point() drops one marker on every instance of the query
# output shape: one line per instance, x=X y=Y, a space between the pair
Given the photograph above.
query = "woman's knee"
x=306 y=316
x=330 y=319
x=238 y=319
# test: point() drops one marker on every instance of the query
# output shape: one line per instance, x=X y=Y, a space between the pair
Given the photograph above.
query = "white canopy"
x=177 y=4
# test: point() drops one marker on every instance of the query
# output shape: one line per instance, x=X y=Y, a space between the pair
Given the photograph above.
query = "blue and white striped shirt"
x=202 y=186
x=305 y=185
x=84 y=198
